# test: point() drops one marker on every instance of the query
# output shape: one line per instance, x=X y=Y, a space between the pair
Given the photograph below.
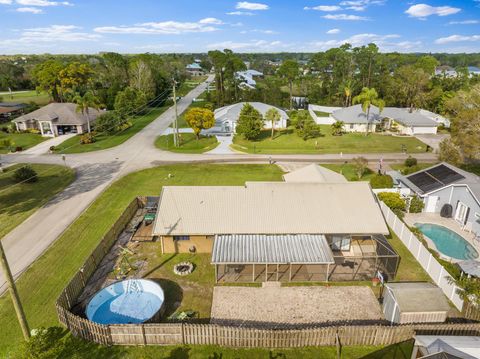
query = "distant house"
x=446 y=71
x=473 y=70
x=226 y=117
x=248 y=79
x=9 y=109
x=446 y=187
x=56 y=119
x=391 y=118
x=195 y=69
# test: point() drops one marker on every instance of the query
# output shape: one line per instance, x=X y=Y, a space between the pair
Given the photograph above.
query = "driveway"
x=224 y=146
x=433 y=140
x=44 y=147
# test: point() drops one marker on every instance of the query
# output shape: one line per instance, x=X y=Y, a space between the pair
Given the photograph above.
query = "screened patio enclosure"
x=300 y=258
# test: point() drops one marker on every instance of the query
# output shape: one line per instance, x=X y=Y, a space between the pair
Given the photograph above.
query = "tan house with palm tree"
x=57 y=119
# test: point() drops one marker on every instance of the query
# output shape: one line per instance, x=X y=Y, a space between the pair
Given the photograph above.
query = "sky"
x=186 y=26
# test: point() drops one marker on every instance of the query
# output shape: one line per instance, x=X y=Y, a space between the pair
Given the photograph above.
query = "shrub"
x=108 y=122
x=7 y=143
x=52 y=148
x=87 y=138
x=250 y=123
x=409 y=170
x=361 y=166
x=25 y=174
x=416 y=205
x=392 y=200
x=399 y=213
x=305 y=125
x=18 y=149
x=411 y=161
x=381 y=181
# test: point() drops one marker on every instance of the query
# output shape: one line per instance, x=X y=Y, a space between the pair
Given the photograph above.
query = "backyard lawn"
x=19 y=201
x=23 y=140
x=72 y=145
x=39 y=287
x=188 y=143
x=288 y=142
x=41 y=98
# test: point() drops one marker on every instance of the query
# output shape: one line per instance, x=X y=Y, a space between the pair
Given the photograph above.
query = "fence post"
x=183 y=332
x=440 y=275
x=401 y=232
x=429 y=261
x=420 y=245
x=394 y=222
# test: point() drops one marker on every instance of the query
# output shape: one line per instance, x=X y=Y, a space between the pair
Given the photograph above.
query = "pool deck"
x=434 y=218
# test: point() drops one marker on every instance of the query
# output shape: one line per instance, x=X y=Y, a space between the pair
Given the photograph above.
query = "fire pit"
x=183 y=268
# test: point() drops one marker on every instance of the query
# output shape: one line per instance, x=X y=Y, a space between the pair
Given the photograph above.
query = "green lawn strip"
x=104 y=141
x=400 y=167
x=19 y=201
x=41 y=284
x=41 y=98
x=23 y=140
x=409 y=268
x=349 y=172
x=322 y=114
x=288 y=142
x=188 y=143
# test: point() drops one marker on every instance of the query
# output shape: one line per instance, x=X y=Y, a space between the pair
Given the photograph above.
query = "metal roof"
x=466 y=347
x=270 y=208
x=355 y=114
x=232 y=112
x=418 y=297
x=273 y=249
x=314 y=174
x=407 y=118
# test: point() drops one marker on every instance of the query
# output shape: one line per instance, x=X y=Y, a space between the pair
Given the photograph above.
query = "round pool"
x=127 y=302
x=448 y=242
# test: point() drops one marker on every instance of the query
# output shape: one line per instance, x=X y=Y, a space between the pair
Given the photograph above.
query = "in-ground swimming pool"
x=126 y=302
x=448 y=242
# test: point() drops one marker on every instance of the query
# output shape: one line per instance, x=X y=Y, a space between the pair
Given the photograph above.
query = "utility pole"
x=14 y=294
x=175 y=122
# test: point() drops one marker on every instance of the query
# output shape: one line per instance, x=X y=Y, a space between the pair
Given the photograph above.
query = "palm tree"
x=367 y=98
x=272 y=116
x=337 y=128
x=347 y=90
x=84 y=103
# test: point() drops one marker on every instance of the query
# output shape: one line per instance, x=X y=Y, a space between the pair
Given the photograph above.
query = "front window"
x=181 y=238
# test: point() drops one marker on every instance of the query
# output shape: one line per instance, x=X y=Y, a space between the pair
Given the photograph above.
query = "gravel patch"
x=267 y=307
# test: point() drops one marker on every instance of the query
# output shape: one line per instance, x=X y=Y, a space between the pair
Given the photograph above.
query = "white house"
x=248 y=78
x=226 y=117
x=195 y=69
x=57 y=119
x=355 y=120
x=408 y=122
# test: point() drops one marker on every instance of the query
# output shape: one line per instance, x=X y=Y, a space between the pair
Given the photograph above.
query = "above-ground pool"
x=448 y=242
x=126 y=302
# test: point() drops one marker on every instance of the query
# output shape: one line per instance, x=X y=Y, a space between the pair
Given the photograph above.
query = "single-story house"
x=446 y=71
x=314 y=174
x=226 y=117
x=57 y=119
x=448 y=189
x=446 y=347
x=195 y=69
x=281 y=231
x=8 y=109
x=248 y=78
x=391 y=118
x=473 y=70
x=414 y=302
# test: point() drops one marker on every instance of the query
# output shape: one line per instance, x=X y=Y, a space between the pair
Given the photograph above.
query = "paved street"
x=97 y=170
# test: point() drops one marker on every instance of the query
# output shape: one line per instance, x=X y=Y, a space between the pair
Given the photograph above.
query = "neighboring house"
x=56 y=119
x=391 y=118
x=447 y=186
x=226 y=117
x=195 y=69
x=446 y=347
x=446 y=71
x=279 y=231
x=8 y=109
x=473 y=70
x=314 y=174
x=248 y=78
x=439 y=119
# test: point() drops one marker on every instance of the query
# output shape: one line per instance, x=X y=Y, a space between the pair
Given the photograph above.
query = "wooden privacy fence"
x=211 y=334
x=426 y=259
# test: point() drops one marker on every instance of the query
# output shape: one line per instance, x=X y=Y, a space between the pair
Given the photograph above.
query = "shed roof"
x=274 y=249
x=270 y=208
x=314 y=174
x=60 y=114
x=419 y=297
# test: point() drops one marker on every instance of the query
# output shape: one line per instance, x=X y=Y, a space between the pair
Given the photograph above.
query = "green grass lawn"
x=189 y=85
x=72 y=145
x=189 y=143
x=23 y=140
x=41 y=98
x=322 y=114
x=181 y=118
x=41 y=284
x=348 y=171
x=288 y=142
x=19 y=201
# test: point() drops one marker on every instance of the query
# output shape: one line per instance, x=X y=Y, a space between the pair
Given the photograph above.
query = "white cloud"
x=260 y=31
x=345 y=17
x=251 y=46
x=245 y=5
x=163 y=28
x=326 y=8
x=33 y=10
x=360 y=5
x=162 y=47
x=457 y=38
x=464 y=22
x=42 y=3
x=385 y=42
x=333 y=31
x=240 y=13
x=5 y=2
x=422 y=11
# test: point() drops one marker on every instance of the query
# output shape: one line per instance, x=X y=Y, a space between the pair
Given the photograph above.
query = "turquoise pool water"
x=448 y=242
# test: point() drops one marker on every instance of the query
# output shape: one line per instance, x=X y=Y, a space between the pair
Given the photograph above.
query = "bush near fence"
x=211 y=334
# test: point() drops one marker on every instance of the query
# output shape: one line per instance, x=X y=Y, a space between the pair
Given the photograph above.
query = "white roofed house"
x=57 y=119
x=195 y=69
x=281 y=231
x=355 y=120
x=226 y=117
x=248 y=78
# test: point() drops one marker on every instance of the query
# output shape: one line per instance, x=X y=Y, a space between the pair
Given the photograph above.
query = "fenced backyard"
x=235 y=336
